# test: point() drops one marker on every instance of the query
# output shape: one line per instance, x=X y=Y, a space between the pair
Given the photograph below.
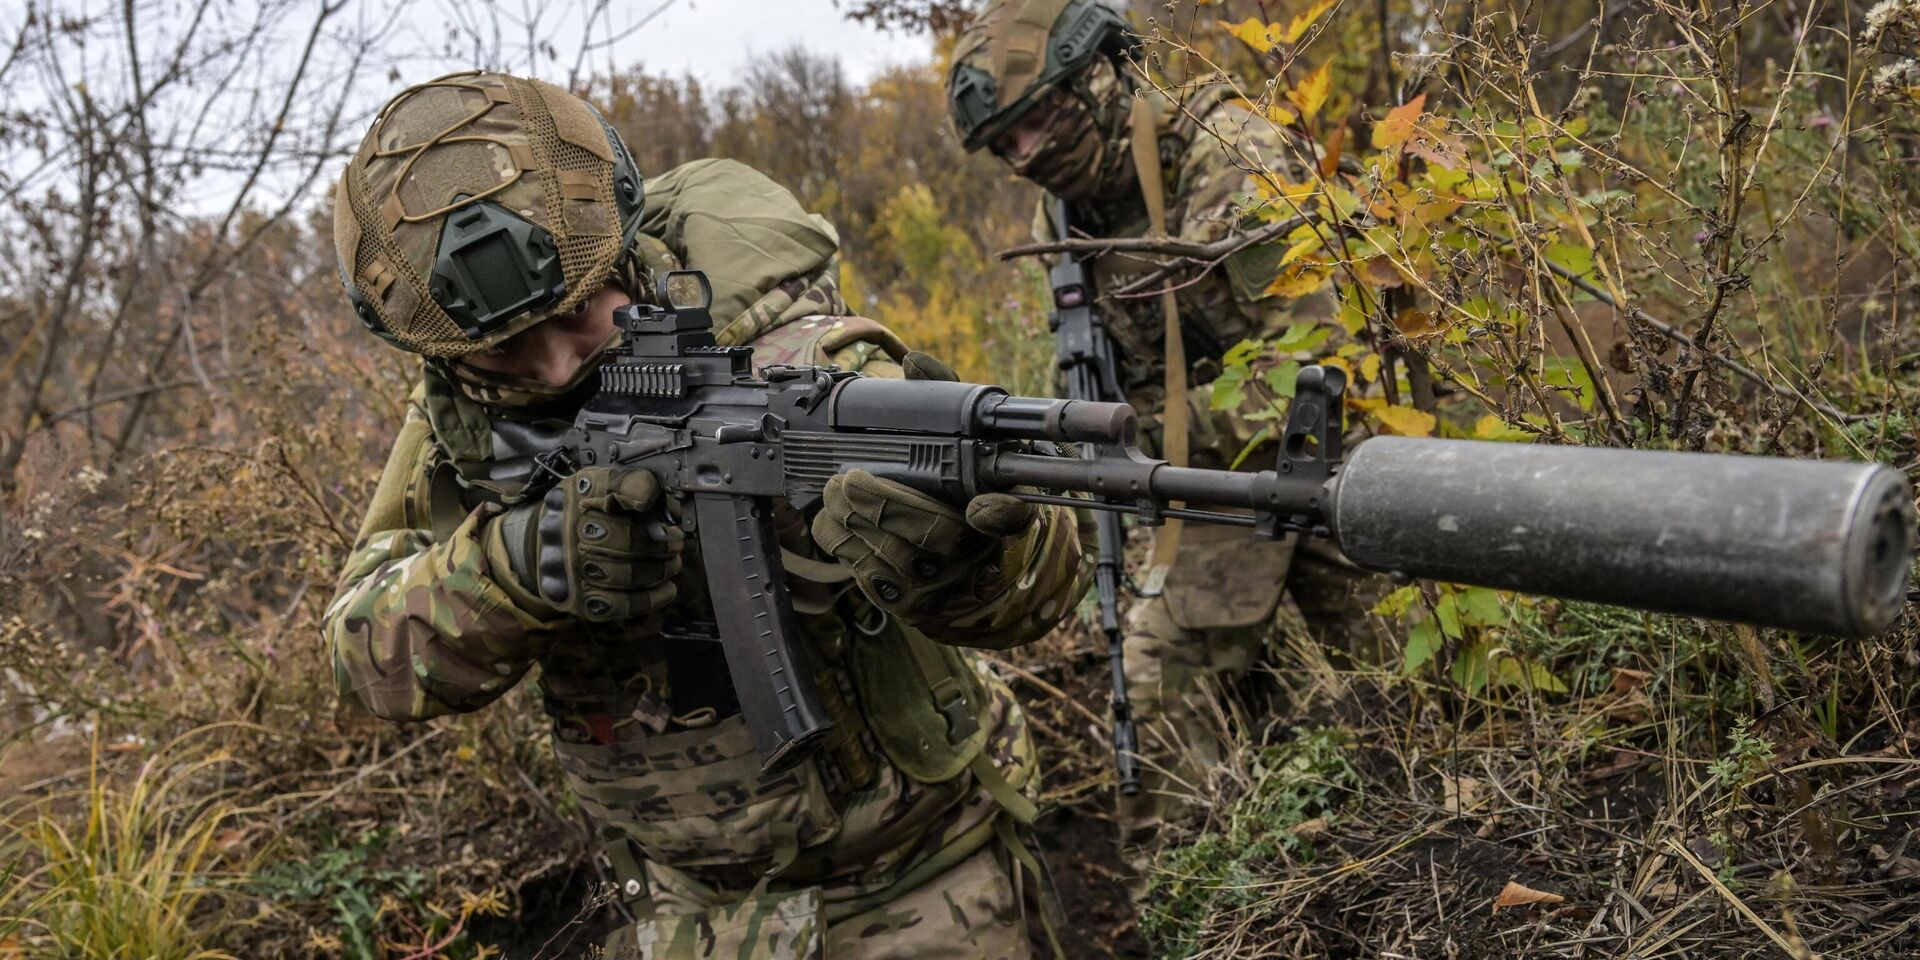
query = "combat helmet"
x=1014 y=51
x=478 y=205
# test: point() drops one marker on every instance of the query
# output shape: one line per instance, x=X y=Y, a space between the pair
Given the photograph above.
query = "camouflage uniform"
x=901 y=836
x=1211 y=621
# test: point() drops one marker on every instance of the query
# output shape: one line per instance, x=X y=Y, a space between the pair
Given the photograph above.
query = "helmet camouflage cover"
x=1014 y=51
x=478 y=205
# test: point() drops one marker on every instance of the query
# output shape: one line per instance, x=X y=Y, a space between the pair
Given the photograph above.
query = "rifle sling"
x=1145 y=141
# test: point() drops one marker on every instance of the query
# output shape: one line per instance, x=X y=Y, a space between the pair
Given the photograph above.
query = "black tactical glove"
x=594 y=547
x=912 y=553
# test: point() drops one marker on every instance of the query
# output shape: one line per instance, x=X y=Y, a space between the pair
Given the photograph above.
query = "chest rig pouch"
x=922 y=700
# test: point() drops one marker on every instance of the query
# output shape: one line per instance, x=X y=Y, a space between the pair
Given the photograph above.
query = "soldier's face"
x=552 y=351
x=1019 y=144
x=1024 y=138
x=1058 y=146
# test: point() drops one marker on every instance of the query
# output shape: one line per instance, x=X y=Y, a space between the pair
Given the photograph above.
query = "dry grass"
x=145 y=872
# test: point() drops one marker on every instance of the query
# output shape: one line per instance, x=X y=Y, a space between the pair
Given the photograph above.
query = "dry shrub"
x=1644 y=224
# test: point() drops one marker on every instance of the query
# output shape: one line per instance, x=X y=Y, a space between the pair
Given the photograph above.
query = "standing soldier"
x=493 y=224
x=1044 y=85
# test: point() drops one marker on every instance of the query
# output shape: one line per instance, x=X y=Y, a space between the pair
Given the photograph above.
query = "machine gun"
x=1085 y=358
x=1819 y=547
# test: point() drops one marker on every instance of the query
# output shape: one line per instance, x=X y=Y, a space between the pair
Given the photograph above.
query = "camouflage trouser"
x=1208 y=627
x=972 y=910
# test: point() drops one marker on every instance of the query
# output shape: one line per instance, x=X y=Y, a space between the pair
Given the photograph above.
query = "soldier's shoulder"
x=848 y=341
x=705 y=170
x=707 y=184
x=1215 y=113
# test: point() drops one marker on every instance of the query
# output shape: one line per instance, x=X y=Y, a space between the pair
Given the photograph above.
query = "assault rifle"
x=1085 y=359
x=1811 y=546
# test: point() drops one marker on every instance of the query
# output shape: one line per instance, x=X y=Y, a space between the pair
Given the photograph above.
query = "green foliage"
x=1744 y=759
x=357 y=893
x=1292 y=785
x=1477 y=623
x=377 y=911
x=1882 y=436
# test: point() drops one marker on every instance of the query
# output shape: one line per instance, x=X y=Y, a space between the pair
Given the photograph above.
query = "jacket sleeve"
x=419 y=626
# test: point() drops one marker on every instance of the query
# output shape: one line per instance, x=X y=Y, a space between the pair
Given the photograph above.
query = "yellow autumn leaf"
x=1273 y=188
x=1399 y=124
x=1492 y=427
x=1370 y=367
x=1297 y=282
x=1406 y=421
x=1304 y=20
x=1311 y=94
x=1342 y=363
x=1301 y=249
x=1260 y=36
x=1281 y=116
x=1353 y=315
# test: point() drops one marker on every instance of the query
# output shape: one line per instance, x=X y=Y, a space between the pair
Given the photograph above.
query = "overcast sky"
x=714 y=39
x=711 y=39
x=410 y=41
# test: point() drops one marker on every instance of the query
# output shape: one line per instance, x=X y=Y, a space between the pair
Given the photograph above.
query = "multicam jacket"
x=1207 y=140
x=926 y=744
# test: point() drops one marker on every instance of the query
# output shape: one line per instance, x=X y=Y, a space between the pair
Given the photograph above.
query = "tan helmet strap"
x=1173 y=417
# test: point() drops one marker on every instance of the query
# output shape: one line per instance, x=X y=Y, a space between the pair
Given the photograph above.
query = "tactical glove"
x=912 y=554
x=594 y=547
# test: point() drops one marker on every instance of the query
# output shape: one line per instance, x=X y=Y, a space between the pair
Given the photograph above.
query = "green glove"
x=594 y=547
x=911 y=553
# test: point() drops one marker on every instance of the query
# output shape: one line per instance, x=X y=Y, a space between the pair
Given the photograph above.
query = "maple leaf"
x=1492 y=427
x=1301 y=249
x=1413 y=323
x=1272 y=188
